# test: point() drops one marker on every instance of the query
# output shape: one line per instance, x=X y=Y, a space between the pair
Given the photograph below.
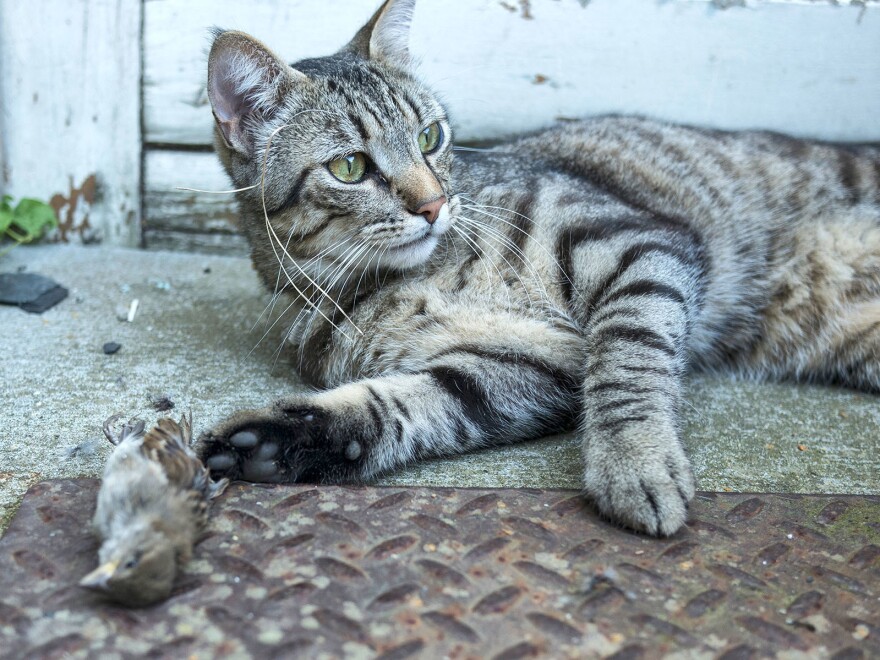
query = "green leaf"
x=33 y=216
x=5 y=218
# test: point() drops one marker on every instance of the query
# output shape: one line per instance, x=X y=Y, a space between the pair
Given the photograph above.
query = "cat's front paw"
x=647 y=491
x=290 y=441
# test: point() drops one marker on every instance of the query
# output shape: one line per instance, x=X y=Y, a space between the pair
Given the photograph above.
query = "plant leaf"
x=33 y=216
x=5 y=218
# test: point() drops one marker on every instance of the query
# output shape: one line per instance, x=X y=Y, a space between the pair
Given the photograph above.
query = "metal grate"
x=426 y=572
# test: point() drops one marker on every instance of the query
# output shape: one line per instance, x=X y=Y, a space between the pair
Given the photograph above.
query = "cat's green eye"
x=349 y=169
x=430 y=138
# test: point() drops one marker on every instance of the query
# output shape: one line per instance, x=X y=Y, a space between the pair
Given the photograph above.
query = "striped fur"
x=572 y=278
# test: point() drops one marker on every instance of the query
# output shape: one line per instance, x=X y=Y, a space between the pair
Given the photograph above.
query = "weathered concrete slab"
x=192 y=339
x=300 y=571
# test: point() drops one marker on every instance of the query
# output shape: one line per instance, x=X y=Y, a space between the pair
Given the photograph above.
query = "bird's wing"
x=167 y=443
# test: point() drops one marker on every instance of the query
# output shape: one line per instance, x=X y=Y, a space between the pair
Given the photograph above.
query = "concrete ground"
x=198 y=337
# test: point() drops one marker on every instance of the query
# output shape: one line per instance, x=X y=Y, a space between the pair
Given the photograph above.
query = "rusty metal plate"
x=304 y=571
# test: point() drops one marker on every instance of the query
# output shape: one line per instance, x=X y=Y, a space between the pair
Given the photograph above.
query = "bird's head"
x=138 y=566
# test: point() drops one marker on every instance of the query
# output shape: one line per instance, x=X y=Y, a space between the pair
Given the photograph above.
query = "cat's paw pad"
x=289 y=441
x=247 y=448
x=648 y=493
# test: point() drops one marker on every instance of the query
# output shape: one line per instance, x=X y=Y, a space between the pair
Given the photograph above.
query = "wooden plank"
x=184 y=220
x=70 y=112
x=508 y=66
x=181 y=241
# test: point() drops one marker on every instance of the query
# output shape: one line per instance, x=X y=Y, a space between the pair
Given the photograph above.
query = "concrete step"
x=198 y=337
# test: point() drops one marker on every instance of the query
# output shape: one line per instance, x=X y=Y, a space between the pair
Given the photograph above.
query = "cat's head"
x=351 y=152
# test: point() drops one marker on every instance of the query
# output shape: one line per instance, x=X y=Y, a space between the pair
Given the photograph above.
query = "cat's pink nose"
x=432 y=209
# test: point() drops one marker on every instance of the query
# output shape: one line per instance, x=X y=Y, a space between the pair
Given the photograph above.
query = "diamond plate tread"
x=305 y=571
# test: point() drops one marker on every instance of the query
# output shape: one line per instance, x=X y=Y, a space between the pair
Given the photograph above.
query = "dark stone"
x=32 y=292
x=111 y=347
x=161 y=402
x=18 y=288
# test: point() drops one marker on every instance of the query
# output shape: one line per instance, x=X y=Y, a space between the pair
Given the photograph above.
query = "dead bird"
x=152 y=508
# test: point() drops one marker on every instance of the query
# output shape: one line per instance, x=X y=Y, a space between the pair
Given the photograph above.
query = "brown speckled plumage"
x=152 y=507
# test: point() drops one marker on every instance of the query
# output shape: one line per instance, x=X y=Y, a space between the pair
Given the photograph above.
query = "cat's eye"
x=430 y=138
x=349 y=169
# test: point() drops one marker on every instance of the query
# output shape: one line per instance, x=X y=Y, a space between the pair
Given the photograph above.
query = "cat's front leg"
x=635 y=467
x=637 y=317
x=466 y=398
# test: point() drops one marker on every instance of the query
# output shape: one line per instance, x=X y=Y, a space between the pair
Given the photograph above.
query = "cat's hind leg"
x=823 y=319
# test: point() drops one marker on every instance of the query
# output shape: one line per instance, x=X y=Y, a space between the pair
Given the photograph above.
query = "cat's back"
x=706 y=174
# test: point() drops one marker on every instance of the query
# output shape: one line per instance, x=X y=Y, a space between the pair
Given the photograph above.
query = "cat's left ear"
x=385 y=37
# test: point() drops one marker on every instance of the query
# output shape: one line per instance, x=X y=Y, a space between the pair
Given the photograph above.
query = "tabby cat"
x=449 y=302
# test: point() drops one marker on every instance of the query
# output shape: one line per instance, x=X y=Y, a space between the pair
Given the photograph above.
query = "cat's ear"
x=386 y=35
x=247 y=82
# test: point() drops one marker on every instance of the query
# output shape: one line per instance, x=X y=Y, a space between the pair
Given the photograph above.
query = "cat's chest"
x=405 y=328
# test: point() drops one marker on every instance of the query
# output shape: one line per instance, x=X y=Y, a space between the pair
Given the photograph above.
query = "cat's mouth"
x=414 y=251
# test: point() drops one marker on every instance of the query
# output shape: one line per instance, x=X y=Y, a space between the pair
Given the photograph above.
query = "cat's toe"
x=652 y=497
x=244 y=454
x=260 y=471
x=220 y=463
x=244 y=439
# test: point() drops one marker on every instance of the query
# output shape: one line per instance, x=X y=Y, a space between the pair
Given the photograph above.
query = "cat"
x=572 y=277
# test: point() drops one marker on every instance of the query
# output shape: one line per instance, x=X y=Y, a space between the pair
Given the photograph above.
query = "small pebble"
x=111 y=347
x=161 y=402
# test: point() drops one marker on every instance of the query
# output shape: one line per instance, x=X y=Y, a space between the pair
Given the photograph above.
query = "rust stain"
x=66 y=207
x=525 y=8
x=548 y=598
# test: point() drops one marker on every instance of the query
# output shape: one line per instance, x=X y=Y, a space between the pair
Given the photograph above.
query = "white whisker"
x=275 y=240
x=489 y=234
x=479 y=208
x=216 y=192
x=475 y=246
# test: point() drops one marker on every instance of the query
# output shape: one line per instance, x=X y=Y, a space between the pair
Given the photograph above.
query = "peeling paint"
x=73 y=210
x=524 y=7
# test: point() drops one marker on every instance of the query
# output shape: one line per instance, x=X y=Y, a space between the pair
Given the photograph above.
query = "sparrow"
x=153 y=505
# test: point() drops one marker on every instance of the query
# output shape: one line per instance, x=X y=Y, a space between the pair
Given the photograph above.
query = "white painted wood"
x=70 y=108
x=807 y=68
x=177 y=219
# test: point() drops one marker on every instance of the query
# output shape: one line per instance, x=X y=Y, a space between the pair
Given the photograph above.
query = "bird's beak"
x=98 y=579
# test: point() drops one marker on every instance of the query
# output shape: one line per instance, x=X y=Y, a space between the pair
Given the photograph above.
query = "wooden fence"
x=103 y=108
